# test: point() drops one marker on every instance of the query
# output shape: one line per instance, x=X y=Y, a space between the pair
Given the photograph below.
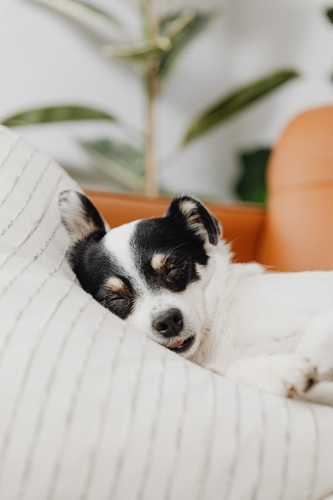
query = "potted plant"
x=152 y=55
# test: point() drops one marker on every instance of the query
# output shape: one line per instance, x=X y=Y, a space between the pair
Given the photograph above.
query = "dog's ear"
x=79 y=216
x=196 y=217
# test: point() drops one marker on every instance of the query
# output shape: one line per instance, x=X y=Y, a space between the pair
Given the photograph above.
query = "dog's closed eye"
x=175 y=270
x=116 y=296
x=174 y=273
x=118 y=300
x=119 y=304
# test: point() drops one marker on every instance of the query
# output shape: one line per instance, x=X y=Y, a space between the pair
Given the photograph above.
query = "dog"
x=173 y=279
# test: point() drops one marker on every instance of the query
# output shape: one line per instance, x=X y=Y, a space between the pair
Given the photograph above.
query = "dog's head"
x=151 y=273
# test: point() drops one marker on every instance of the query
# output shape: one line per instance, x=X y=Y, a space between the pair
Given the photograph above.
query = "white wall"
x=44 y=61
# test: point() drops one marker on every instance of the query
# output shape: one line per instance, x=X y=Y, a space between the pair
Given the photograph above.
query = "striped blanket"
x=89 y=410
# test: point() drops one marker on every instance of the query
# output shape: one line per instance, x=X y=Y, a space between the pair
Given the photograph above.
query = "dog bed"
x=91 y=410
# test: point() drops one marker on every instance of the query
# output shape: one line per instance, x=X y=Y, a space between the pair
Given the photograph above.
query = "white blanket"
x=91 y=411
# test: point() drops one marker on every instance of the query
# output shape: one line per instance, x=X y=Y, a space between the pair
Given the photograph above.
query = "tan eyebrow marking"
x=115 y=284
x=158 y=261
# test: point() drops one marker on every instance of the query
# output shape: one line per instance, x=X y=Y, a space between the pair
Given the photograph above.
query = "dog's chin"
x=185 y=347
x=189 y=353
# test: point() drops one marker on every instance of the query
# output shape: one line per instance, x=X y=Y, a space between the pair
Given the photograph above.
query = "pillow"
x=91 y=410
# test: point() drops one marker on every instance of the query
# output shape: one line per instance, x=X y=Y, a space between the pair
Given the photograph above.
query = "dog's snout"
x=169 y=323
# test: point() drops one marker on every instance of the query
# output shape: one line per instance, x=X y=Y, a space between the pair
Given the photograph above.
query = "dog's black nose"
x=169 y=323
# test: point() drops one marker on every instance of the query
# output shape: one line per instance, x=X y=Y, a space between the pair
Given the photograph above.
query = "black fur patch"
x=168 y=236
x=94 y=266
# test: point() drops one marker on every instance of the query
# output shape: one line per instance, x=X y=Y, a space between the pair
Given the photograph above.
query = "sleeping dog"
x=172 y=277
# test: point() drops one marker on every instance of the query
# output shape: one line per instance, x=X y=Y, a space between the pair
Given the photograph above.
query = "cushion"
x=92 y=410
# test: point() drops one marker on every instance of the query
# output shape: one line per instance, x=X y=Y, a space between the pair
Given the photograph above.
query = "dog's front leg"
x=285 y=375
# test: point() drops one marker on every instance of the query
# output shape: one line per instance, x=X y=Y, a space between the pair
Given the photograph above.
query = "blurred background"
x=239 y=71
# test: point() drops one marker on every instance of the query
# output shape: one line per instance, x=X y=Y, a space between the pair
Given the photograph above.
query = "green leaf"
x=56 y=114
x=122 y=162
x=138 y=52
x=84 y=15
x=232 y=104
x=329 y=14
x=251 y=183
x=181 y=28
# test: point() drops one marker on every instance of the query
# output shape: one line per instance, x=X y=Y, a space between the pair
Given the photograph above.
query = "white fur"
x=272 y=330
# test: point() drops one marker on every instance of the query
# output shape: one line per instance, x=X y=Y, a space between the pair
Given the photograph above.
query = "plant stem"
x=151 y=87
x=150 y=137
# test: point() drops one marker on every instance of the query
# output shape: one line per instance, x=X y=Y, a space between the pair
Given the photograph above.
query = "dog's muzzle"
x=170 y=324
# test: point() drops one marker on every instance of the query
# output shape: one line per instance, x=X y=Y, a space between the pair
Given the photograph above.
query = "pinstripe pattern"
x=7 y=336
x=45 y=246
x=258 y=479
x=119 y=461
x=315 y=464
x=19 y=175
x=236 y=437
x=103 y=420
x=209 y=441
x=45 y=319
x=72 y=406
x=32 y=230
x=10 y=150
x=284 y=479
x=16 y=407
x=23 y=207
x=42 y=414
x=11 y=332
x=179 y=435
x=154 y=430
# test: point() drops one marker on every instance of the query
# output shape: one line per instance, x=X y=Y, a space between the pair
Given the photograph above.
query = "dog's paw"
x=298 y=375
x=283 y=375
x=317 y=346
